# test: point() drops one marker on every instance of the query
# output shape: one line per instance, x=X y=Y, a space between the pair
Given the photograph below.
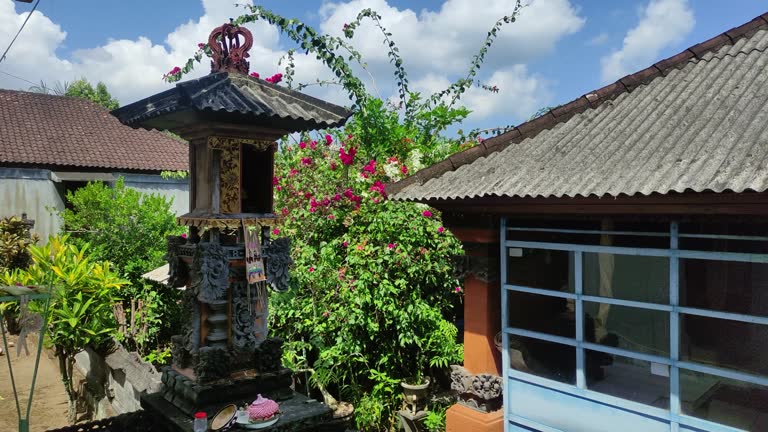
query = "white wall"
x=31 y=191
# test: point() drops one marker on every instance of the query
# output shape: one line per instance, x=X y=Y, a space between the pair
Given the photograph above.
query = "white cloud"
x=520 y=93
x=437 y=46
x=663 y=23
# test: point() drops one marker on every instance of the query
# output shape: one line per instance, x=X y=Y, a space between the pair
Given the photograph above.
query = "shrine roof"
x=234 y=98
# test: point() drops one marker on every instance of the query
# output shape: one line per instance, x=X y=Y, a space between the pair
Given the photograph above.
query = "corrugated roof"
x=255 y=100
x=58 y=131
x=702 y=125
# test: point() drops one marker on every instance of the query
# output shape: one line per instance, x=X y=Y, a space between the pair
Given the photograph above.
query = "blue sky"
x=558 y=50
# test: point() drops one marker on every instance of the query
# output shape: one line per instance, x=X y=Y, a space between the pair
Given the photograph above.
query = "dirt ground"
x=49 y=406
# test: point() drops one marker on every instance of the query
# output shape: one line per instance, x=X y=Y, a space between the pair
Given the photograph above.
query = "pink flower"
x=274 y=79
x=202 y=46
x=403 y=169
x=336 y=197
x=426 y=213
x=308 y=195
x=378 y=186
x=457 y=289
x=275 y=180
x=347 y=157
x=345 y=243
x=326 y=202
x=349 y=194
x=276 y=231
x=331 y=217
x=293 y=172
x=440 y=230
x=328 y=140
x=302 y=145
x=370 y=167
x=172 y=72
x=184 y=235
x=313 y=145
x=391 y=246
x=311 y=269
x=306 y=161
x=279 y=188
x=254 y=74
x=333 y=166
x=284 y=211
x=392 y=159
x=346 y=26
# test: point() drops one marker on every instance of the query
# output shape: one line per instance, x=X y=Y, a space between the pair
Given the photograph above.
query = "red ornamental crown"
x=229 y=53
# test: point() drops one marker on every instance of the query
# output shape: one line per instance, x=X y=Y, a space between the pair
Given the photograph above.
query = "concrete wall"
x=32 y=191
x=114 y=383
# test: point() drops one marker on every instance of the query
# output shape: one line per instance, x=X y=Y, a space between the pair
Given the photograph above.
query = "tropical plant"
x=83 y=89
x=15 y=237
x=83 y=292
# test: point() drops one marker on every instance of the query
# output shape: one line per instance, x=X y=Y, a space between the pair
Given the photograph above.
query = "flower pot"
x=415 y=395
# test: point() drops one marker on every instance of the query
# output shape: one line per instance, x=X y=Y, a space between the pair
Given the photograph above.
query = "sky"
x=556 y=51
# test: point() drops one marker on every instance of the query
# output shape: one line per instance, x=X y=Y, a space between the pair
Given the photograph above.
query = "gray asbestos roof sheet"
x=703 y=127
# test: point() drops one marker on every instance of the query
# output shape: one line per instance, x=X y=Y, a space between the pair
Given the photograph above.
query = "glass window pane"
x=543 y=358
x=630 y=328
x=627 y=378
x=739 y=287
x=725 y=401
x=539 y=268
x=551 y=315
x=626 y=277
x=724 y=343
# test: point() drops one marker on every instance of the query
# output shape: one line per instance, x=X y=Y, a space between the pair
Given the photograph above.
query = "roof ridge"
x=587 y=101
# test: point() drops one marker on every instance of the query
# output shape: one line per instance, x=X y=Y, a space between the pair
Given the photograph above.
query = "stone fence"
x=114 y=383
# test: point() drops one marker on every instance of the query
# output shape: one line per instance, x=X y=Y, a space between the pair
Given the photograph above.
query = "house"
x=53 y=144
x=618 y=245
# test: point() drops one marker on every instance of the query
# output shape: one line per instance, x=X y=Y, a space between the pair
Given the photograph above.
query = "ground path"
x=49 y=407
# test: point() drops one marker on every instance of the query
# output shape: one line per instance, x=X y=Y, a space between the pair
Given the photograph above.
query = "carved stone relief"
x=277 y=254
x=211 y=269
x=482 y=392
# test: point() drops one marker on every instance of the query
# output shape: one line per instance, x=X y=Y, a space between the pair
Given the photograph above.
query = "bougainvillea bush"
x=373 y=296
x=373 y=293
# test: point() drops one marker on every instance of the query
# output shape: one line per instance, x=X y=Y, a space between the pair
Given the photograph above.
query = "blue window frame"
x=676 y=388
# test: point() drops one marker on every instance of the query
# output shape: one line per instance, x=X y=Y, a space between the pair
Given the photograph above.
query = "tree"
x=100 y=95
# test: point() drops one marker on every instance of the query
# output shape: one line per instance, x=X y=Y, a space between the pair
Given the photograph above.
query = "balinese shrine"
x=227 y=263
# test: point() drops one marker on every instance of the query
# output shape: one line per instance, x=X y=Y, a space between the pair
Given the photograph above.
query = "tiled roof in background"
x=46 y=130
x=696 y=121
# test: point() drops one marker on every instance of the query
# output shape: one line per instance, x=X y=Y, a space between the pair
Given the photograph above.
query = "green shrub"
x=122 y=225
x=15 y=237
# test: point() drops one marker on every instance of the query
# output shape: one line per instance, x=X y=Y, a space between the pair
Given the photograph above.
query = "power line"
x=20 y=29
x=18 y=77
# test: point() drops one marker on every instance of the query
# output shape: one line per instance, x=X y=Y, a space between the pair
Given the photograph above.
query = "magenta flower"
x=201 y=46
x=457 y=289
x=426 y=213
x=347 y=157
x=331 y=217
x=440 y=230
x=328 y=140
x=302 y=145
x=391 y=246
x=275 y=180
x=293 y=172
x=378 y=186
x=184 y=235
x=345 y=243
x=333 y=166
x=370 y=167
x=336 y=197
x=311 y=269
x=403 y=169
x=284 y=211
x=306 y=161
x=326 y=202
x=276 y=231
x=279 y=188
x=254 y=74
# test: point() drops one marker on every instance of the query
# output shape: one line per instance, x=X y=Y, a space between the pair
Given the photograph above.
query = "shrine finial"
x=229 y=52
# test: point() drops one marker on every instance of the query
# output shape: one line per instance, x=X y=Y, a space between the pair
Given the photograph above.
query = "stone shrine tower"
x=231 y=121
